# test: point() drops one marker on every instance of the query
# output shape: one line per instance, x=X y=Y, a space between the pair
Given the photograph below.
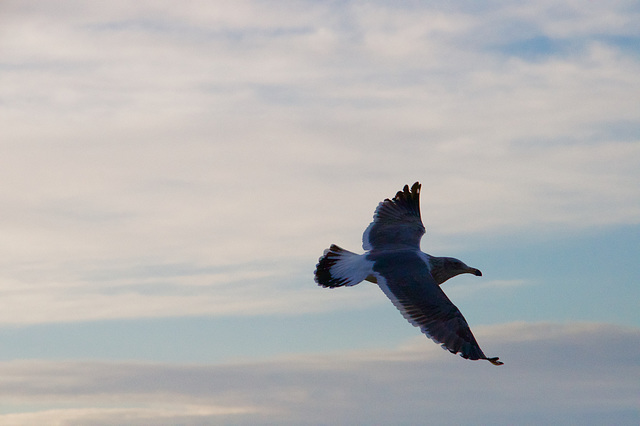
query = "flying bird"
x=407 y=275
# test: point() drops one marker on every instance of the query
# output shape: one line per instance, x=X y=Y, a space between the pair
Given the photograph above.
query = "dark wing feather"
x=396 y=223
x=407 y=282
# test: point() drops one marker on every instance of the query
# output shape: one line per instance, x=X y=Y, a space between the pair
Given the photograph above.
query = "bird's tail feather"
x=339 y=267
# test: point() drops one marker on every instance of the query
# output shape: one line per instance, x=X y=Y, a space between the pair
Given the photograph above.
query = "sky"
x=172 y=171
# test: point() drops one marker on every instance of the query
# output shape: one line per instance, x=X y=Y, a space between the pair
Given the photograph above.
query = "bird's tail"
x=339 y=267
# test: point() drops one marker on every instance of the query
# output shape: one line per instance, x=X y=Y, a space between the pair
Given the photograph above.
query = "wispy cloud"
x=572 y=373
x=190 y=292
x=462 y=290
x=210 y=135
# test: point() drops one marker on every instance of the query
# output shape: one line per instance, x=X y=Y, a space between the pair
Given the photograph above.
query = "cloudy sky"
x=171 y=172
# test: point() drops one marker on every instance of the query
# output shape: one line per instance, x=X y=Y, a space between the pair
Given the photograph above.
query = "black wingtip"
x=410 y=198
x=407 y=193
x=495 y=361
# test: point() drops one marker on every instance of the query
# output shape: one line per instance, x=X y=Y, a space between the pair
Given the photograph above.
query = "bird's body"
x=408 y=276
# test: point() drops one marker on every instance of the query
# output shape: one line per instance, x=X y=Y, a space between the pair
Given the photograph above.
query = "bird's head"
x=444 y=268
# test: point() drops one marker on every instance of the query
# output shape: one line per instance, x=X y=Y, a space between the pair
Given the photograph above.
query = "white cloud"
x=217 y=134
x=179 y=413
x=174 y=291
x=553 y=374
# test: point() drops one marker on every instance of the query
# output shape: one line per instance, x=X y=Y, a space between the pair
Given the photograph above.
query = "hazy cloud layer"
x=206 y=136
x=554 y=374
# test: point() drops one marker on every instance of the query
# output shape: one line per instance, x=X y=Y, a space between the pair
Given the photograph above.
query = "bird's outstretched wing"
x=405 y=279
x=396 y=223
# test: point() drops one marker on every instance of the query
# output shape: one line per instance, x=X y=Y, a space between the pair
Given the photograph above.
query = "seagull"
x=409 y=277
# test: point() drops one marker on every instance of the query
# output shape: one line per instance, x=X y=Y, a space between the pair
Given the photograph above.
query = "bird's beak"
x=476 y=272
